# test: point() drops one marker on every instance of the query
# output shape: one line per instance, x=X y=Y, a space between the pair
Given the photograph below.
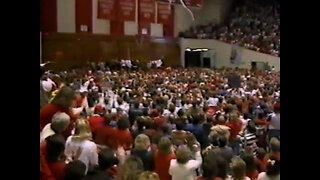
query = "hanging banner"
x=164 y=13
x=107 y=9
x=126 y=10
x=147 y=11
x=236 y=55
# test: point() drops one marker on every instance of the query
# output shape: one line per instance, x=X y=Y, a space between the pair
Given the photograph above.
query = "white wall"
x=99 y=26
x=212 y=10
x=223 y=53
x=66 y=16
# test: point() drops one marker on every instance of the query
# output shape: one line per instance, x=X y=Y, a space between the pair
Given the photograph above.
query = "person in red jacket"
x=163 y=157
x=62 y=102
x=122 y=137
x=235 y=126
x=97 y=120
x=55 y=156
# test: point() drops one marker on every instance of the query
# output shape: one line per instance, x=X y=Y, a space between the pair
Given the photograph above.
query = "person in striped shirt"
x=248 y=138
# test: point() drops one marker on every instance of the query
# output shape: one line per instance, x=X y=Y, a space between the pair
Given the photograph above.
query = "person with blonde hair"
x=130 y=169
x=148 y=175
x=238 y=168
x=163 y=157
x=80 y=147
x=184 y=167
x=141 y=150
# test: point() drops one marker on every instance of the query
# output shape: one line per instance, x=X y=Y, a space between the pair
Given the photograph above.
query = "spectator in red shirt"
x=96 y=120
x=104 y=134
x=235 y=127
x=62 y=102
x=55 y=156
x=163 y=157
x=122 y=136
x=261 y=153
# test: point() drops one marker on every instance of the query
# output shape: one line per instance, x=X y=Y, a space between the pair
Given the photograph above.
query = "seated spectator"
x=163 y=157
x=141 y=150
x=183 y=167
x=75 y=170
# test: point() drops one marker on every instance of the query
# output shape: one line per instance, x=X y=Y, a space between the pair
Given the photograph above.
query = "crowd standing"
x=255 y=24
x=159 y=124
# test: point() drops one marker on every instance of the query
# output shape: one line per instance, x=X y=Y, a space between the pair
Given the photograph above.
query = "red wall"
x=48 y=15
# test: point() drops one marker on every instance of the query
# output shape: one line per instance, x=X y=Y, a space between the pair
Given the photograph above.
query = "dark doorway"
x=192 y=59
x=206 y=62
x=253 y=66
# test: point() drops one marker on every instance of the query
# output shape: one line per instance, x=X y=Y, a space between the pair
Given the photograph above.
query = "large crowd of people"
x=255 y=25
x=160 y=124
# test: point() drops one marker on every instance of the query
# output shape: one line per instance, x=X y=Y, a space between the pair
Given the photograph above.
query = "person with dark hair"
x=135 y=112
x=223 y=150
x=260 y=156
x=122 y=136
x=251 y=166
x=179 y=135
x=197 y=128
x=140 y=124
x=210 y=170
x=106 y=160
x=248 y=138
x=273 y=170
x=55 y=157
x=75 y=170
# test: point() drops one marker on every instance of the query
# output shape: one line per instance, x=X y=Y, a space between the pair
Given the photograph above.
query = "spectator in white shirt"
x=183 y=167
x=60 y=122
x=80 y=147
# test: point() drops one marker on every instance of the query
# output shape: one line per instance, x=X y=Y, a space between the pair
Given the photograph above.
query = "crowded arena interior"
x=159 y=90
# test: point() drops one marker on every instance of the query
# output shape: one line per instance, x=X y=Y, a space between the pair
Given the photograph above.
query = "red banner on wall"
x=164 y=13
x=147 y=11
x=126 y=10
x=107 y=9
